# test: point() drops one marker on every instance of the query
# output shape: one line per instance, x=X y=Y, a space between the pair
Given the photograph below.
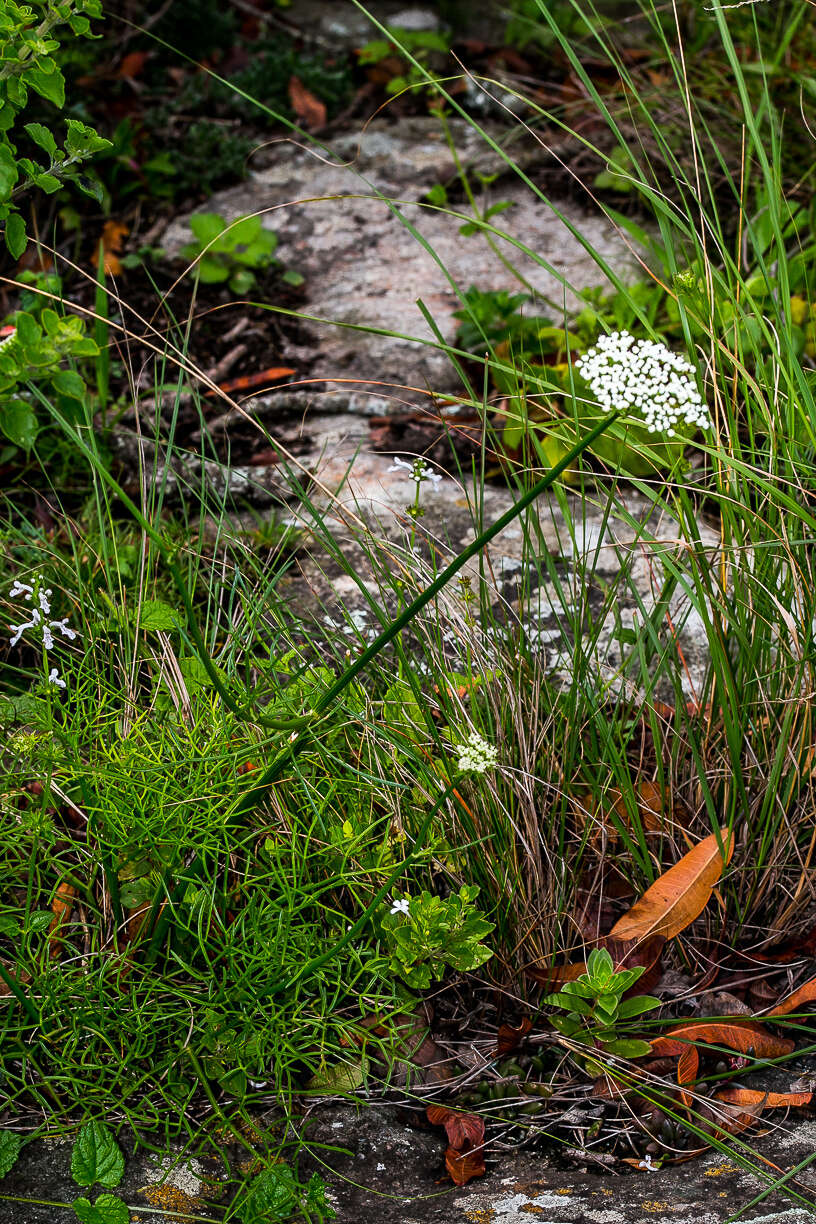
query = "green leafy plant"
x=276 y=1194
x=233 y=253
x=27 y=64
x=420 y=44
x=427 y=934
x=596 y=1008
x=35 y=353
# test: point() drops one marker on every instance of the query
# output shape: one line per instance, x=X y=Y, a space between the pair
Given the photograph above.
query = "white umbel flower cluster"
x=476 y=755
x=644 y=377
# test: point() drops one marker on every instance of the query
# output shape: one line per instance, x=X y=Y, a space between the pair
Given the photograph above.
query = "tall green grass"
x=230 y=794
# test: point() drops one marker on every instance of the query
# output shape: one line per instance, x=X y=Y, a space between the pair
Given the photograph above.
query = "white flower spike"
x=646 y=378
x=54 y=678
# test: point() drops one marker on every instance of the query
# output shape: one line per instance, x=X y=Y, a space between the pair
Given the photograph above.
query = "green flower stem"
x=256 y=795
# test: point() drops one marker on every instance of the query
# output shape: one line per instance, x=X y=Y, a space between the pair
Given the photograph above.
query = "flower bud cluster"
x=644 y=377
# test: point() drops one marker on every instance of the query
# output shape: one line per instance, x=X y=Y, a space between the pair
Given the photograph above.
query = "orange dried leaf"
x=462 y=1166
x=553 y=975
x=61 y=908
x=309 y=109
x=464 y=1158
x=751 y=1097
x=805 y=994
x=746 y=1038
x=681 y=894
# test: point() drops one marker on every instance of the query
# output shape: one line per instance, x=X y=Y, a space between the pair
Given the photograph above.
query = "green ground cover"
x=242 y=852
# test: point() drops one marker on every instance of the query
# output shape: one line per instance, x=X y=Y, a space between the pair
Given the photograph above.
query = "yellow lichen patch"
x=532 y=1209
x=718 y=1170
x=170 y=1198
x=563 y=1190
x=481 y=1217
x=655 y=1205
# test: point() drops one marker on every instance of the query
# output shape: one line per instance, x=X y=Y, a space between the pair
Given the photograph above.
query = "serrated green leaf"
x=41 y=136
x=273 y=1195
x=96 y=1157
x=156 y=614
x=10 y=1145
x=344 y=1077
x=108 y=1209
x=207 y=226
x=49 y=85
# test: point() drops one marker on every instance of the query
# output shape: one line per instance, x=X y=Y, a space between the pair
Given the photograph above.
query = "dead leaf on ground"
x=739 y=1108
x=746 y=1038
x=61 y=908
x=681 y=894
x=464 y=1158
x=113 y=236
x=806 y=993
x=309 y=109
x=511 y=1036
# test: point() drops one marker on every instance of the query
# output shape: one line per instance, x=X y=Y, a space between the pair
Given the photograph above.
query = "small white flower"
x=418 y=471
x=401 y=907
x=476 y=755
x=39 y=616
x=646 y=378
x=646 y=1163
x=54 y=678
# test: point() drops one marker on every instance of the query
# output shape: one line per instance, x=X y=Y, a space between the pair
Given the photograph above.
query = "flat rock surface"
x=348 y=221
x=380 y=1170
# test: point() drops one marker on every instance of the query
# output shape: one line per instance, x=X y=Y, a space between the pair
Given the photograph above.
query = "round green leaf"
x=19 y=423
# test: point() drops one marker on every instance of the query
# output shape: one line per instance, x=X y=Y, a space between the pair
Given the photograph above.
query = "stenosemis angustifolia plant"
x=596 y=1008
x=37 y=349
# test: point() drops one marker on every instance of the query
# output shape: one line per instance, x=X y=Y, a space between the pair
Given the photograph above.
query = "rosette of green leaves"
x=595 y=1006
x=232 y=253
x=28 y=45
x=435 y=934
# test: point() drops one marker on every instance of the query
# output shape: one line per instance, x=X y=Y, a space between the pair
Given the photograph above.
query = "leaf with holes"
x=681 y=894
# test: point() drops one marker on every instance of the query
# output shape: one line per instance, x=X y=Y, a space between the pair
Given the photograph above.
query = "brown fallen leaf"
x=464 y=1158
x=113 y=236
x=739 y=1108
x=61 y=908
x=510 y=1036
x=745 y=1037
x=309 y=109
x=681 y=894
x=806 y=993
